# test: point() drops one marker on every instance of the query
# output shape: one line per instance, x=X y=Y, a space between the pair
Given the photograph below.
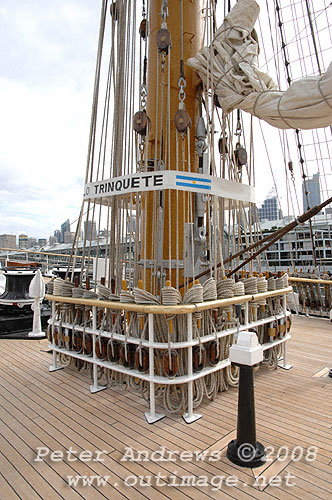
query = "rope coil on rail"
x=57 y=286
x=271 y=284
x=250 y=285
x=238 y=290
x=127 y=297
x=170 y=296
x=106 y=293
x=50 y=287
x=194 y=296
x=225 y=291
x=210 y=290
x=225 y=288
x=77 y=292
x=143 y=297
x=262 y=286
x=280 y=283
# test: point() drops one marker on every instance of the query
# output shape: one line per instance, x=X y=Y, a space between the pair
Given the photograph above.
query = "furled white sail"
x=230 y=67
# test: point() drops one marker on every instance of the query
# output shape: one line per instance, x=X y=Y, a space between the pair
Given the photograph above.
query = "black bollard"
x=245 y=451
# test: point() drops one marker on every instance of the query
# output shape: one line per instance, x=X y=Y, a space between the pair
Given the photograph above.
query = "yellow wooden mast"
x=174 y=216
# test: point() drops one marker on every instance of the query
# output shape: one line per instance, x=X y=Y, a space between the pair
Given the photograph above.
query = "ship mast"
x=169 y=148
x=155 y=179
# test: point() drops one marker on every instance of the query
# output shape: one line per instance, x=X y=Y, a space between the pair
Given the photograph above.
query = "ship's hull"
x=16 y=314
x=14 y=321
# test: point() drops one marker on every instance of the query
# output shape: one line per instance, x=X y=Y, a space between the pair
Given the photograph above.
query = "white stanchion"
x=37 y=292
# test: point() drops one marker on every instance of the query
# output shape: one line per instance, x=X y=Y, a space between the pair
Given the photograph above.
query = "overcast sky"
x=48 y=52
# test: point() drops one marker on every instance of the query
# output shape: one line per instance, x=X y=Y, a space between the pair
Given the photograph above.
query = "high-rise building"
x=23 y=241
x=90 y=232
x=7 y=241
x=65 y=228
x=312 y=186
x=57 y=235
x=52 y=240
x=42 y=242
x=32 y=242
x=269 y=209
x=68 y=237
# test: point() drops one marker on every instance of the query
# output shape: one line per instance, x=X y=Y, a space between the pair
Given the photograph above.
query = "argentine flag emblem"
x=192 y=181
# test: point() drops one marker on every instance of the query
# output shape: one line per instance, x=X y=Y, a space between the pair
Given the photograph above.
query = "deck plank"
x=6 y=491
x=38 y=408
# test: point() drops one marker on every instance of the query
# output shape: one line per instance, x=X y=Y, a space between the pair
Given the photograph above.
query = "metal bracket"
x=99 y=388
x=189 y=419
x=53 y=368
x=151 y=418
x=165 y=263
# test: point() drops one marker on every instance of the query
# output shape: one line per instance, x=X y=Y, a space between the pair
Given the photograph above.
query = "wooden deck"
x=57 y=411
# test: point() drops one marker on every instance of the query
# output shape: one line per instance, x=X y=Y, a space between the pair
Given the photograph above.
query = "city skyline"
x=33 y=239
x=62 y=235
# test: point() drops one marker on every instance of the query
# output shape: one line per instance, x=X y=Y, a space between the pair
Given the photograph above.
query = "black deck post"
x=245 y=450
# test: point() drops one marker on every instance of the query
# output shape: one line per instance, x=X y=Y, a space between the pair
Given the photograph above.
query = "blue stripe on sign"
x=187 y=184
x=187 y=178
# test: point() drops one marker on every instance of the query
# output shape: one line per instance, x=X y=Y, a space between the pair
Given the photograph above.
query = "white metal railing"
x=314 y=296
x=152 y=345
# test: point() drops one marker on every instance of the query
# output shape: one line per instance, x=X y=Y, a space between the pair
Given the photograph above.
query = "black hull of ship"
x=17 y=324
x=16 y=315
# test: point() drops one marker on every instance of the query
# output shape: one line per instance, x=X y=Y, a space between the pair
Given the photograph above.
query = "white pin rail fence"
x=314 y=296
x=152 y=345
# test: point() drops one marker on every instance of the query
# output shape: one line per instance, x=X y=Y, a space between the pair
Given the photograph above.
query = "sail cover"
x=230 y=67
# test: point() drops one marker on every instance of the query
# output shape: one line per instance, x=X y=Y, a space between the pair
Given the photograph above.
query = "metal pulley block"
x=200 y=139
x=114 y=11
x=213 y=353
x=127 y=355
x=222 y=144
x=199 y=358
x=170 y=363
x=163 y=39
x=241 y=155
x=182 y=120
x=141 y=122
x=216 y=101
x=143 y=29
x=142 y=359
x=291 y=170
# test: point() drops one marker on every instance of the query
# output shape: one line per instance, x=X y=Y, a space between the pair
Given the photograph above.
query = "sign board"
x=169 y=179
